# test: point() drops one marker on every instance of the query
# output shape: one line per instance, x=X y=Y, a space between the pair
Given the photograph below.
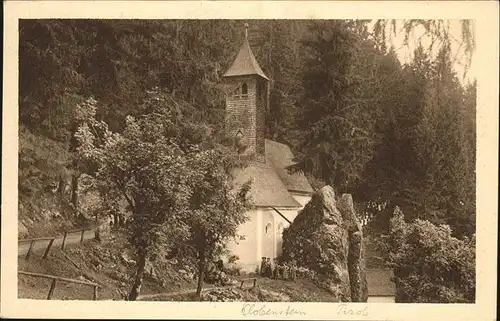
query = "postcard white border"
x=484 y=12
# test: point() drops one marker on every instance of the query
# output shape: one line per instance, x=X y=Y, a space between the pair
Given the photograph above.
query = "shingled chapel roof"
x=245 y=63
x=272 y=184
x=281 y=157
x=267 y=189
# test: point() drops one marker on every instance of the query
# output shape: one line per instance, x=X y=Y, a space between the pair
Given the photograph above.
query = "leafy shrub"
x=430 y=265
x=222 y=295
x=305 y=273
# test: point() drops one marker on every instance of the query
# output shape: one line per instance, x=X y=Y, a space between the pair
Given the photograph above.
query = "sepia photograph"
x=248 y=161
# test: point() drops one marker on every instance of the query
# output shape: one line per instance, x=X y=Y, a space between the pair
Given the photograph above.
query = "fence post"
x=29 y=250
x=64 y=240
x=95 y=292
x=81 y=238
x=48 y=248
x=51 y=290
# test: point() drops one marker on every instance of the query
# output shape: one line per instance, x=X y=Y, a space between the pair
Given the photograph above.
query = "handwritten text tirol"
x=343 y=309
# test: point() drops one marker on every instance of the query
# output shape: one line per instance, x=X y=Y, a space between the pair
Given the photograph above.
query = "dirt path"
x=72 y=238
x=170 y=294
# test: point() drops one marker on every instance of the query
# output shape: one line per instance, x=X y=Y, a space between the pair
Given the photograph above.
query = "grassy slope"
x=302 y=290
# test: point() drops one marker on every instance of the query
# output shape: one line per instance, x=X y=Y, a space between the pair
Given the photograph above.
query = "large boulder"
x=326 y=237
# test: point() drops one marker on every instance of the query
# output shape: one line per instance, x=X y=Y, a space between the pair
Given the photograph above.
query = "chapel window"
x=268 y=228
x=244 y=89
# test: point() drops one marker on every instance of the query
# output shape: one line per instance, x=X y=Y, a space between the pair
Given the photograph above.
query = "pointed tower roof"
x=245 y=62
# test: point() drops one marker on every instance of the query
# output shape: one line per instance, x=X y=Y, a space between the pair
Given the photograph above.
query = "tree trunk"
x=74 y=190
x=97 y=231
x=201 y=273
x=97 y=235
x=62 y=186
x=136 y=287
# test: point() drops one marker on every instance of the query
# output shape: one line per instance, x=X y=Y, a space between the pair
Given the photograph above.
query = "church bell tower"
x=247 y=99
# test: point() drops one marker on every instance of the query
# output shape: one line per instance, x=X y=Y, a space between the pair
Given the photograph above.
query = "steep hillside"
x=45 y=187
x=43 y=176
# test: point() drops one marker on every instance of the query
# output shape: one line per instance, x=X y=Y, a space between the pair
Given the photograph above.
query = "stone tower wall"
x=261 y=102
x=241 y=112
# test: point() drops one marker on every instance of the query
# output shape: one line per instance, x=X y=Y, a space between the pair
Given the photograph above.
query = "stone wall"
x=261 y=117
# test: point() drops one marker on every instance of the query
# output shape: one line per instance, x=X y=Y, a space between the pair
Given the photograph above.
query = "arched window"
x=244 y=89
x=268 y=228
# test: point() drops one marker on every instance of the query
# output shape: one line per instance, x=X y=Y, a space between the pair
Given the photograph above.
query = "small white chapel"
x=277 y=194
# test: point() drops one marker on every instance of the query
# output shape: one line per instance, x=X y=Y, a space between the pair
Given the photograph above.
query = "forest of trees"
x=391 y=134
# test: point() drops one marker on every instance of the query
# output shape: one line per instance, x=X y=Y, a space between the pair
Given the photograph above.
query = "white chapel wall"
x=268 y=227
x=281 y=224
x=301 y=198
x=290 y=214
x=263 y=234
x=247 y=250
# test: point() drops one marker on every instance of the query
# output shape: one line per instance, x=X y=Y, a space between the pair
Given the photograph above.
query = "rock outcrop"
x=355 y=259
x=326 y=237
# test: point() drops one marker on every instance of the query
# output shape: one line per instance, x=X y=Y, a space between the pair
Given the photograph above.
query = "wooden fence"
x=51 y=241
x=82 y=230
x=57 y=278
x=250 y=279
